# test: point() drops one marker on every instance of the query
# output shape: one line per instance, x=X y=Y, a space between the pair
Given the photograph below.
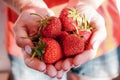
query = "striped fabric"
x=110 y=13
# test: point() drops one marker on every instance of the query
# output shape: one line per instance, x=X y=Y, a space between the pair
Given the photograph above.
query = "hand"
x=25 y=26
x=99 y=34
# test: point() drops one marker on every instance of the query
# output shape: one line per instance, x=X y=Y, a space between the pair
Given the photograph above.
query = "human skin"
x=96 y=20
x=26 y=25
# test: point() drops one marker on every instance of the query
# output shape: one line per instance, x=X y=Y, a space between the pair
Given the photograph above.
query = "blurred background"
x=4 y=60
x=5 y=65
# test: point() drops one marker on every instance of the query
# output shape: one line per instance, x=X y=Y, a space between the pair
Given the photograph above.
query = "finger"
x=83 y=58
x=28 y=49
x=58 y=65
x=21 y=35
x=51 y=13
x=34 y=63
x=67 y=64
x=51 y=71
x=99 y=34
x=60 y=74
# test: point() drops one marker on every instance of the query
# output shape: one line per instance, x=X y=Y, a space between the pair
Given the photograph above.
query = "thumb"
x=99 y=34
x=21 y=35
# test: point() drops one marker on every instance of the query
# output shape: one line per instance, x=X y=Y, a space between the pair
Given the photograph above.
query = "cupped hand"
x=27 y=26
x=99 y=34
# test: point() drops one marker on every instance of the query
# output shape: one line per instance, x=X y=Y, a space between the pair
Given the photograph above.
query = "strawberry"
x=69 y=18
x=85 y=29
x=49 y=26
x=85 y=34
x=48 y=50
x=62 y=36
x=72 y=45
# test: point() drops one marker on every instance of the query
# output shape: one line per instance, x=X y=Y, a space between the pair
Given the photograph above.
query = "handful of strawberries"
x=61 y=37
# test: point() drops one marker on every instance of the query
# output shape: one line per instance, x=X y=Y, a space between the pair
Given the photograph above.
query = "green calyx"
x=43 y=20
x=39 y=45
x=38 y=49
x=85 y=24
x=82 y=23
x=75 y=15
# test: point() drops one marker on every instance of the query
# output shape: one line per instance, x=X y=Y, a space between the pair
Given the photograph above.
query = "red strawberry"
x=85 y=29
x=53 y=51
x=69 y=18
x=72 y=45
x=62 y=36
x=85 y=34
x=50 y=27
x=48 y=50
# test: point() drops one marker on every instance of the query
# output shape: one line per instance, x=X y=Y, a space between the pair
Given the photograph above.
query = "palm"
x=96 y=20
x=25 y=27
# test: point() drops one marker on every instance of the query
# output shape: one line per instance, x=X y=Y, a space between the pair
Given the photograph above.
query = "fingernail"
x=28 y=49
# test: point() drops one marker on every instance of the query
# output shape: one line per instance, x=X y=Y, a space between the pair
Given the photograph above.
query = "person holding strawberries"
x=39 y=33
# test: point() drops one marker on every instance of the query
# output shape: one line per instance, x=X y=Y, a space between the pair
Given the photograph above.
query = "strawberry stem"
x=39 y=49
x=77 y=32
x=27 y=37
x=85 y=24
x=33 y=55
x=36 y=15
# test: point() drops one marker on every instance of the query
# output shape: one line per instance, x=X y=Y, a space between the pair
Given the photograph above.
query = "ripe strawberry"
x=62 y=36
x=48 y=50
x=85 y=29
x=50 y=27
x=85 y=34
x=69 y=18
x=72 y=45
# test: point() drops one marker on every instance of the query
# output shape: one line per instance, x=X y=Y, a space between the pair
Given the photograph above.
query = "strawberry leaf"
x=39 y=49
x=85 y=24
x=75 y=15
